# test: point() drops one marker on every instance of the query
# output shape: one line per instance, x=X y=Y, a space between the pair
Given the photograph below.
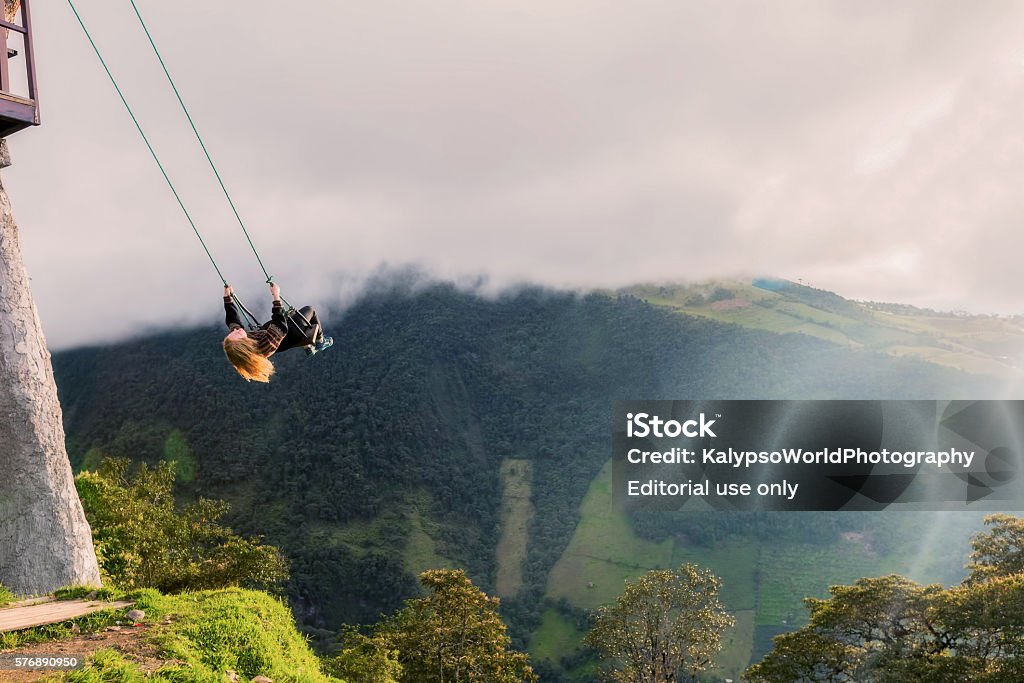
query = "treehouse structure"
x=19 y=107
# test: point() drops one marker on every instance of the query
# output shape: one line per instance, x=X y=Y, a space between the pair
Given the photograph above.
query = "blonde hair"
x=249 y=363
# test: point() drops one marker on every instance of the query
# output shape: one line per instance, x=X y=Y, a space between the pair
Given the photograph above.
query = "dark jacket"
x=269 y=335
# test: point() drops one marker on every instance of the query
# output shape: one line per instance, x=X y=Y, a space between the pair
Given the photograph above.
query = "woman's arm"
x=231 y=317
x=277 y=312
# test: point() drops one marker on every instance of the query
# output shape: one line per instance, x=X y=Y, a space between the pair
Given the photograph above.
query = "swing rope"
x=250 y=319
x=145 y=139
x=202 y=144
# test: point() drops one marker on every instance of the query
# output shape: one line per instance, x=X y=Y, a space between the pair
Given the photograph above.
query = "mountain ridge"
x=976 y=343
x=385 y=454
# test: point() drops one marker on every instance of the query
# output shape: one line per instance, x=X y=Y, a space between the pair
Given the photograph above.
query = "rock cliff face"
x=45 y=540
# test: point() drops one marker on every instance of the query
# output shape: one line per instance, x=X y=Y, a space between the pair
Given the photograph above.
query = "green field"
x=604 y=551
x=556 y=637
x=516 y=515
x=421 y=549
x=735 y=655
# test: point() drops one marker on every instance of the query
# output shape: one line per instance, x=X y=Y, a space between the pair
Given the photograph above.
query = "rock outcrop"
x=45 y=540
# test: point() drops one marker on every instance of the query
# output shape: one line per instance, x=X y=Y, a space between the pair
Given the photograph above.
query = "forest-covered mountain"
x=448 y=429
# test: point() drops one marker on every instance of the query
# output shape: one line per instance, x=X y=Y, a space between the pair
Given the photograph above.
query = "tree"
x=999 y=552
x=876 y=625
x=890 y=629
x=453 y=634
x=364 y=659
x=45 y=542
x=144 y=541
x=667 y=625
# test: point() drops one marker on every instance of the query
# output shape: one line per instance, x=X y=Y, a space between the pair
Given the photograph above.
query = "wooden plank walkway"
x=52 y=612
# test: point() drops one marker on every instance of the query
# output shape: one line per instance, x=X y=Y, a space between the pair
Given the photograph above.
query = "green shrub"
x=143 y=540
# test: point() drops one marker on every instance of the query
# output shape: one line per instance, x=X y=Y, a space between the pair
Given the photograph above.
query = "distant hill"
x=446 y=429
x=982 y=344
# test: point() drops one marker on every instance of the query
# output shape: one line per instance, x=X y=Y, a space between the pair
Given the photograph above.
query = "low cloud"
x=869 y=148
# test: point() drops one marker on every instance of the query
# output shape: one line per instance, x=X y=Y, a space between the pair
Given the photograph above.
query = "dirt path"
x=27 y=616
x=127 y=640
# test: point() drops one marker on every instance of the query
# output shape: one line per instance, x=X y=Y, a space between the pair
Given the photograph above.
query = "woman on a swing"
x=249 y=350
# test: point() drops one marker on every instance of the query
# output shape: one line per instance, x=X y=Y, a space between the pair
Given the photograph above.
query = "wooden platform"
x=21 y=615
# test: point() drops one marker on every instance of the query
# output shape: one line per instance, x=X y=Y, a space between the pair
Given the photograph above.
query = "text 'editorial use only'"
x=818 y=455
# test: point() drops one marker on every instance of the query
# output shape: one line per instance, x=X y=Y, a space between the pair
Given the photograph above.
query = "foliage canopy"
x=890 y=629
x=665 y=626
x=452 y=634
x=143 y=540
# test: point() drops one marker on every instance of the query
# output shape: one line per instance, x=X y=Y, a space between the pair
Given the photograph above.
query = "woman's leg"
x=314 y=333
x=303 y=329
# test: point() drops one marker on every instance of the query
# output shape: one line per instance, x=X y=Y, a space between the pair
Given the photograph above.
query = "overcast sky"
x=872 y=148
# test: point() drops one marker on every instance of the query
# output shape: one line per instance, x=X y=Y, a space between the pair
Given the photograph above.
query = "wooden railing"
x=17 y=110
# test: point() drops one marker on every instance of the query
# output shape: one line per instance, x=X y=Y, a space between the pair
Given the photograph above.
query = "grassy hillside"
x=188 y=638
x=603 y=552
x=974 y=343
x=384 y=456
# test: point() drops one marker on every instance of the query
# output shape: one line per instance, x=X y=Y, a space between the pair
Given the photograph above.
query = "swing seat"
x=301 y=326
x=298 y=322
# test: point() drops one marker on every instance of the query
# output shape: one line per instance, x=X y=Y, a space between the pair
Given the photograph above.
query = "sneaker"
x=317 y=347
